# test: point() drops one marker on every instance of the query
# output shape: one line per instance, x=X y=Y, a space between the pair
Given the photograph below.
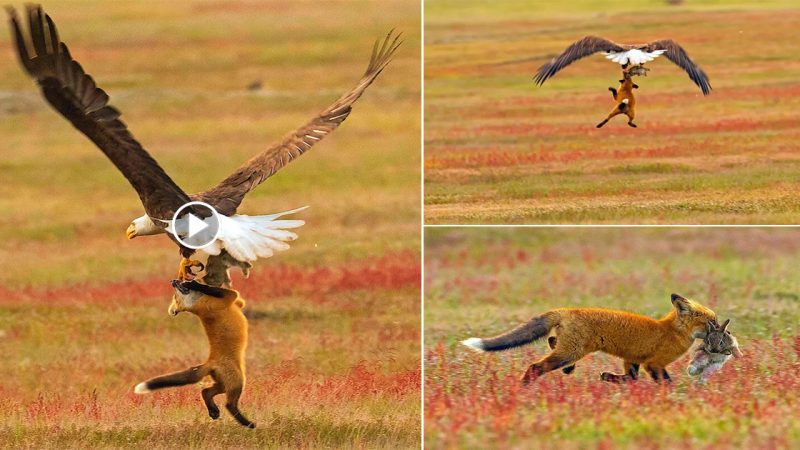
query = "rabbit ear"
x=710 y=326
x=725 y=325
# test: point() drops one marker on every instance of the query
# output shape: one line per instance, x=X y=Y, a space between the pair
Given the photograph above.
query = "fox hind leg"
x=208 y=398
x=232 y=405
x=551 y=341
x=631 y=114
x=553 y=361
x=617 y=110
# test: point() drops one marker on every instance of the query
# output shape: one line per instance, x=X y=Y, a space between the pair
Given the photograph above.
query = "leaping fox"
x=220 y=311
x=623 y=96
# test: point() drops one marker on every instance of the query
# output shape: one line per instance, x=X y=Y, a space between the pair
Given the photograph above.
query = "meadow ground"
x=481 y=282
x=333 y=356
x=499 y=149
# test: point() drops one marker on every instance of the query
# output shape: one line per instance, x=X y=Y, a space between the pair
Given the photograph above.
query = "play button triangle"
x=196 y=225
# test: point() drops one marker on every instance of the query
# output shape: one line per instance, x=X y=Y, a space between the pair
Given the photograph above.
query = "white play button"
x=195 y=225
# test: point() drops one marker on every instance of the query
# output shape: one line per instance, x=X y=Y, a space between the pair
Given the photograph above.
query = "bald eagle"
x=74 y=94
x=625 y=55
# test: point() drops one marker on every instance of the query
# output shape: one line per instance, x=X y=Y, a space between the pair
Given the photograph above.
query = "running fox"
x=638 y=340
x=626 y=102
x=220 y=311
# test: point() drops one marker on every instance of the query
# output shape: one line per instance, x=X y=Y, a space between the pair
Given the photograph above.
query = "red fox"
x=638 y=340
x=626 y=102
x=220 y=311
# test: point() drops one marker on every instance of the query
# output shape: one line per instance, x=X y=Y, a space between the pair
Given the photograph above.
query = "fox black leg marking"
x=631 y=374
x=208 y=397
x=658 y=374
x=600 y=125
x=232 y=405
x=636 y=86
x=634 y=372
x=613 y=93
x=631 y=124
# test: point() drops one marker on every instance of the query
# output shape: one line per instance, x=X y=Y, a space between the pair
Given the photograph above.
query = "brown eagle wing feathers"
x=590 y=45
x=73 y=93
x=580 y=49
x=678 y=55
x=228 y=194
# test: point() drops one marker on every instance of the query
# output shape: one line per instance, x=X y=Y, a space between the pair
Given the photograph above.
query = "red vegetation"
x=499 y=158
x=393 y=271
x=480 y=395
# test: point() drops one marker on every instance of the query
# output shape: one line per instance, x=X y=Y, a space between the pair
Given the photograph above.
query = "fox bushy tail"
x=189 y=376
x=534 y=329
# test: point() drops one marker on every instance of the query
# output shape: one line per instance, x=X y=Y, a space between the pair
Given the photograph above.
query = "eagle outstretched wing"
x=678 y=55
x=228 y=194
x=579 y=49
x=73 y=93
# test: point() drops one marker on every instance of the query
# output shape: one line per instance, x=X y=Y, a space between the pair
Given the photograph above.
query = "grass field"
x=333 y=356
x=481 y=282
x=499 y=149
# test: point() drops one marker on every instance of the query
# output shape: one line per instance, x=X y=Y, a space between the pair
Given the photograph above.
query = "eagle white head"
x=142 y=226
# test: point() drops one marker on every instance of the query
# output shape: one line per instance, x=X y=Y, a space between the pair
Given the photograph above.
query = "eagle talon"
x=185 y=271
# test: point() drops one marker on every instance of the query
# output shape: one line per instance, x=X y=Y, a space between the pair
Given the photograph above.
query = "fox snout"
x=176 y=306
x=179 y=286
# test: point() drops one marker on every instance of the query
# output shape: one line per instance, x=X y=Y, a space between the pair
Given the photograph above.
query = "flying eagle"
x=625 y=54
x=74 y=94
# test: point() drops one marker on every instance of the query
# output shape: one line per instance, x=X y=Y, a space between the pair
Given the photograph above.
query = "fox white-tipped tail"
x=141 y=388
x=248 y=238
x=474 y=343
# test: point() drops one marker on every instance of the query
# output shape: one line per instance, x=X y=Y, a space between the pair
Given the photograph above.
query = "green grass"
x=83 y=310
x=484 y=281
x=499 y=149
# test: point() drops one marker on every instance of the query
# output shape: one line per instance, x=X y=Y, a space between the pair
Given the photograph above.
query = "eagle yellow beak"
x=131 y=231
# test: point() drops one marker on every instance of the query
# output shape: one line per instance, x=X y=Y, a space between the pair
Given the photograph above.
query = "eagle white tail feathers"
x=248 y=238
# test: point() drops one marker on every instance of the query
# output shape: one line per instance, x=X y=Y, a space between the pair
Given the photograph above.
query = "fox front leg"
x=631 y=374
x=658 y=374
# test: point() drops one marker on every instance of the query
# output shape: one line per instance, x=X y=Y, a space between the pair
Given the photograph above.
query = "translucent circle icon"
x=195 y=225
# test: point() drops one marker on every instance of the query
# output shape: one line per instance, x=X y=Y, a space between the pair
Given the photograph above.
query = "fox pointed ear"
x=725 y=325
x=676 y=297
x=681 y=304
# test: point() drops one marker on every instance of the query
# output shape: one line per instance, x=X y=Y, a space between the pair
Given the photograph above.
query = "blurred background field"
x=333 y=359
x=499 y=149
x=482 y=282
